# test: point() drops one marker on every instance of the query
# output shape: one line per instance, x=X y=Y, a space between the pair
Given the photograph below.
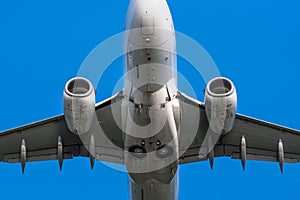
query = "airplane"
x=25 y=145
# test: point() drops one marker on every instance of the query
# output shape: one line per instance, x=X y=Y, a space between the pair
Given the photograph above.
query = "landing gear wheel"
x=164 y=152
x=138 y=151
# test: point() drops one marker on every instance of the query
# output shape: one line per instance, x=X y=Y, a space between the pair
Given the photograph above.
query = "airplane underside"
x=154 y=188
x=150 y=127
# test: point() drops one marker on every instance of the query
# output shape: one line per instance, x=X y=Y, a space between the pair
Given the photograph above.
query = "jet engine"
x=220 y=104
x=79 y=105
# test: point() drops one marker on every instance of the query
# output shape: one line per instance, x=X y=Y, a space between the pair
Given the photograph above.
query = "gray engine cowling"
x=79 y=105
x=220 y=104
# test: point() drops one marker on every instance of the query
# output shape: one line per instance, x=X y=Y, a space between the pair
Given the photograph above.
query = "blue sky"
x=254 y=43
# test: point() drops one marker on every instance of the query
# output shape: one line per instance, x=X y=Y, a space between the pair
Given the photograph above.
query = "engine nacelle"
x=79 y=105
x=220 y=104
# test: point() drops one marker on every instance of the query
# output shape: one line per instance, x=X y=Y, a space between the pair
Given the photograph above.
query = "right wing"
x=262 y=138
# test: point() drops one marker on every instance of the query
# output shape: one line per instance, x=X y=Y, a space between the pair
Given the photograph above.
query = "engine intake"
x=220 y=104
x=79 y=105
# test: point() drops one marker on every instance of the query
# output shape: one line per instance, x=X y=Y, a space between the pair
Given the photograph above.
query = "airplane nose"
x=149 y=22
x=151 y=12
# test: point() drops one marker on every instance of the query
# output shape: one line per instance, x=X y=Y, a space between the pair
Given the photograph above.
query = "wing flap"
x=41 y=155
x=111 y=155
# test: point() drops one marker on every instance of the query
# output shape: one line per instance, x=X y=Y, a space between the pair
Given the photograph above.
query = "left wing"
x=41 y=141
x=261 y=139
x=51 y=139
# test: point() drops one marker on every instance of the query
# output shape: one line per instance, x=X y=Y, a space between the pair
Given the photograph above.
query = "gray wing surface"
x=262 y=138
x=41 y=138
x=41 y=141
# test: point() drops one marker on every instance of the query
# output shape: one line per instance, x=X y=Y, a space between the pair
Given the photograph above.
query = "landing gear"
x=138 y=151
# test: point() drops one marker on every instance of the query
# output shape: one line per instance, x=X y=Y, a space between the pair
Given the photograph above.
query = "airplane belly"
x=149 y=120
x=150 y=69
x=150 y=137
x=154 y=189
x=151 y=150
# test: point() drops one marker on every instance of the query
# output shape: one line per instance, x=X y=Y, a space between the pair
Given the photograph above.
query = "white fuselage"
x=149 y=119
